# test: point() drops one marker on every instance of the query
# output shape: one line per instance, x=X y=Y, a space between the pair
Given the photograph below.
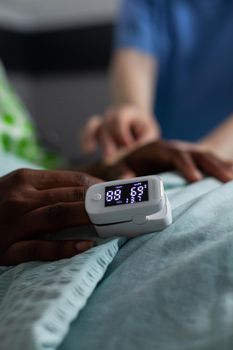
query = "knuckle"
x=14 y=202
x=113 y=122
x=78 y=195
x=57 y=213
x=50 y=197
x=86 y=180
x=115 y=115
x=82 y=178
x=20 y=175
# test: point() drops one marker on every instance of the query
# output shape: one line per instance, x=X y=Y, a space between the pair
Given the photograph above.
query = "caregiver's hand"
x=192 y=161
x=121 y=129
x=36 y=202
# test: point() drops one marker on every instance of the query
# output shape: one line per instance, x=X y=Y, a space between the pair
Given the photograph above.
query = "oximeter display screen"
x=126 y=194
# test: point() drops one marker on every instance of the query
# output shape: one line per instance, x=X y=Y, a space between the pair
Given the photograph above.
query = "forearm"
x=220 y=141
x=133 y=79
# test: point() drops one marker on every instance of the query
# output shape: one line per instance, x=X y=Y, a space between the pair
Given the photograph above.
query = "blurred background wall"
x=57 y=54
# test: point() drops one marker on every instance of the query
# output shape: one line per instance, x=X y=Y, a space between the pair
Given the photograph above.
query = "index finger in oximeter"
x=128 y=208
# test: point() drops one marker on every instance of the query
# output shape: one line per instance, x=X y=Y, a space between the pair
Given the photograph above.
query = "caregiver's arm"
x=132 y=80
x=130 y=121
x=36 y=202
x=220 y=141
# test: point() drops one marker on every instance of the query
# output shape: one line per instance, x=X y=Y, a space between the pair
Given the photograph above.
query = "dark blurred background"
x=57 y=55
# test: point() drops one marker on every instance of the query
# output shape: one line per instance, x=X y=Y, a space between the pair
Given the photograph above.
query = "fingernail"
x=84 y=245
x=198 y=175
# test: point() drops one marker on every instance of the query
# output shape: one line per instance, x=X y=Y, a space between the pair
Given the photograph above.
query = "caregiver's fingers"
x=186 y=165
x=43 y=251
x=89 y=137
x=120 y=129
x=53 y=218
x=146 y=131
x=213 y=166
x=107 y=142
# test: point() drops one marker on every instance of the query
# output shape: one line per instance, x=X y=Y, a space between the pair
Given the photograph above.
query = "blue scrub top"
x=193 y=41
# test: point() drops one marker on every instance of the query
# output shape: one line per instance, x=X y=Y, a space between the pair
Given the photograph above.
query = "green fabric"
x=17 y=131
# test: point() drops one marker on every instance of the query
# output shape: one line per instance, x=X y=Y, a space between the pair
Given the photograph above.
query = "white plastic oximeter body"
x=128 y=207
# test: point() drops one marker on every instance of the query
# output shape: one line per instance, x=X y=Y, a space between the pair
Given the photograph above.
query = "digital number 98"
x=113 y=195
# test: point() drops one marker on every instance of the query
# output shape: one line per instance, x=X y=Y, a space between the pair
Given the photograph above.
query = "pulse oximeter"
x=128 y=207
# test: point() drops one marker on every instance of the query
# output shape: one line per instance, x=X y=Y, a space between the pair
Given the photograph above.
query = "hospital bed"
x=171 y=290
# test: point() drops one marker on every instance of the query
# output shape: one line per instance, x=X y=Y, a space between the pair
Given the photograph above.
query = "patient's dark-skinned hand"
x=192 y=161
x=36 y=202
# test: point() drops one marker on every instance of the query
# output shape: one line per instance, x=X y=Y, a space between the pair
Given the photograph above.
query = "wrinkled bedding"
x=171 y=290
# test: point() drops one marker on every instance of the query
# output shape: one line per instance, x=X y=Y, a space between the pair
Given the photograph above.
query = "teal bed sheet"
x=171 y=290
x=165 y=291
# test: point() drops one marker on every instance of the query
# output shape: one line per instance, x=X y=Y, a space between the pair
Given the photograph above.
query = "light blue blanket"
x=171 y=290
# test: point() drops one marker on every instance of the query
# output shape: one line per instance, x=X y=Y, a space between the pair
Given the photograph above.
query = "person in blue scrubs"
x=172 y=76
